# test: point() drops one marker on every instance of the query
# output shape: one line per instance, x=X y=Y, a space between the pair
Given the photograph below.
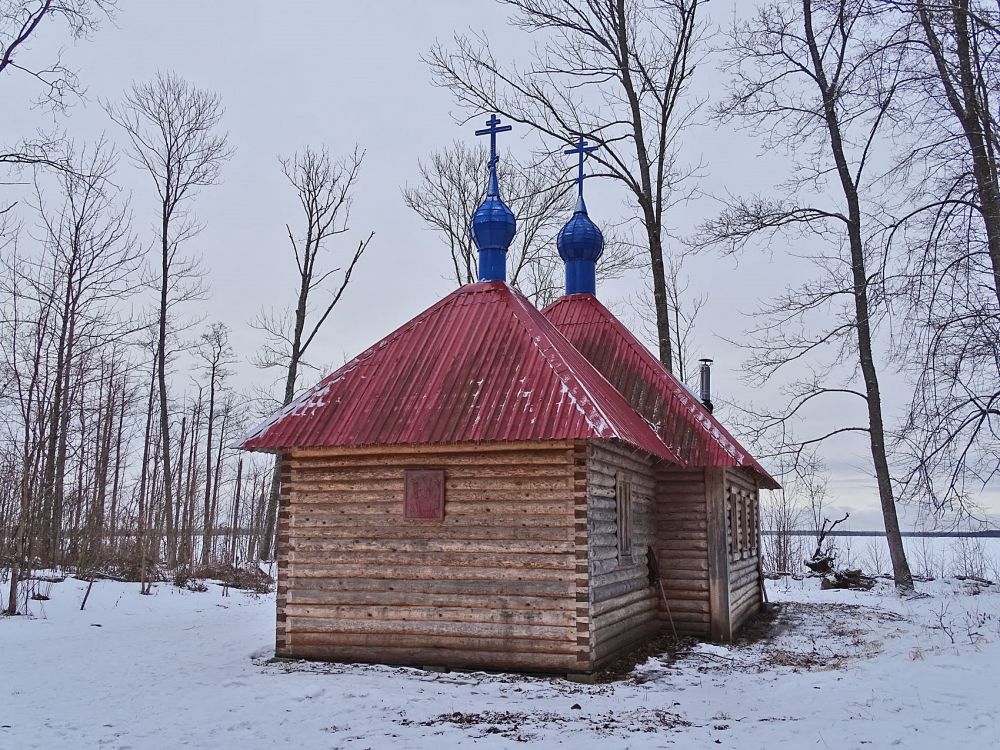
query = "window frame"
x=412 y=481
x=624 y=519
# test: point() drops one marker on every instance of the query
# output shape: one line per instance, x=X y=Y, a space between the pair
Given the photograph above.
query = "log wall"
x=745 y=596
x=497 y=584
x=523 y=572
x=623 y=605
x=681 y=547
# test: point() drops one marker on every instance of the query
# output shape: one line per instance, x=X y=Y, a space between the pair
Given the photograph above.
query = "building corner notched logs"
x=584 y=635
x=718 y=555
x=283 y=557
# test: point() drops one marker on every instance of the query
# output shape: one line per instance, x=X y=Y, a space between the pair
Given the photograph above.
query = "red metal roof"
x=680 y=419
x=480 y=365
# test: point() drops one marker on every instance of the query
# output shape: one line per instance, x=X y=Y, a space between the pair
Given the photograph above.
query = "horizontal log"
x=687 y=527
x=468 y=492
x=742 y=596
x=483 y=611
x=431 y=587
x=739 y=614
x=689 y=544
x=686 y=589
x=412 y=532
x=602 y=481
x=626 y=598
x=473 y=558
x=437 y=656
x=454 y=543
x=641 y=610
x=518 y=497
x=621 y=643
x=687 y=563
x=381 y=599
x=523 y=520
x=454 y=643
x=636 y=625
x=610 y=455
x=455 y=510
x=699 y=606
x=624 y=572
x=612 y=591
x=437 y=628
x=473 y=470
x=686 y=618
x=304 y=571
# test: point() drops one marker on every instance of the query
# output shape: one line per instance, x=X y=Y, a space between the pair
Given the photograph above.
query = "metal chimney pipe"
x=706 y=383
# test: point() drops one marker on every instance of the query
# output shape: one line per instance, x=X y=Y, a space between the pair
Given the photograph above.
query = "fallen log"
x=848 y=579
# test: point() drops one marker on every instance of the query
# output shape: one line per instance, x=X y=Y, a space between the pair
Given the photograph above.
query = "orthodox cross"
x=494 y=128
x=582 y=149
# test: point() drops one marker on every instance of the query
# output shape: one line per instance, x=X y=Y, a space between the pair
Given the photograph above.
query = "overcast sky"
x=317 y=73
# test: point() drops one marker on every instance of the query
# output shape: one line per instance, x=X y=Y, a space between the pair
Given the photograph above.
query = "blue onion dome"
x=493 y=223
x=580 y=239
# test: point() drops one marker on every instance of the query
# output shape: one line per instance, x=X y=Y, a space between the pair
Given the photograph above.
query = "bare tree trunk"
x=144 y=499
x=862 y=307
x=234 y=526
x=324 y=189
x=206 y=535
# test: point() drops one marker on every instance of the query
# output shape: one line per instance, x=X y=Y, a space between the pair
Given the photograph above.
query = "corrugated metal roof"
x=480 y=365
x=680 y=419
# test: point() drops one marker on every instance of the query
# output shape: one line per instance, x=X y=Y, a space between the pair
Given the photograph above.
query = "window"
x=424 y=494
x=733 y=501
x=742 y=508
x=623 y=516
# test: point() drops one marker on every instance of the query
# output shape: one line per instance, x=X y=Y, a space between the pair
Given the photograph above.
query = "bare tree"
x=215 y=354
x=324 y=188
x=452 y=185
x=950 y=237
x=613 y=71
x=91 y=263
x=817 y=78
x=961 y=39
x=684 y=309
x=174 y=131
x=22 y=23
x=28 y=323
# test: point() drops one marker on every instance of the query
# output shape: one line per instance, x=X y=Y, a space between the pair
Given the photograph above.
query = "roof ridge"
x=540 y=320
x=587 y=310
x=546 y=353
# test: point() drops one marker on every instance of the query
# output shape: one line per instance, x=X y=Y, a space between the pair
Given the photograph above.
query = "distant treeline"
x=989 y=534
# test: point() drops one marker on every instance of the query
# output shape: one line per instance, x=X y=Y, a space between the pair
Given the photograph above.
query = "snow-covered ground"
x=181 y=669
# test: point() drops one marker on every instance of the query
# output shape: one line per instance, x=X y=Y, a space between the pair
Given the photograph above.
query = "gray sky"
x=345 y=73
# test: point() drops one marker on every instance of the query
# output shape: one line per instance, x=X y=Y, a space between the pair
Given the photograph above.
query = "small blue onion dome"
x=580 y=238
x=493 y=225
